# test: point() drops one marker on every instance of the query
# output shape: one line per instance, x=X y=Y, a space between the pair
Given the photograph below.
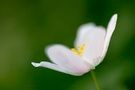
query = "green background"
x=27 y=26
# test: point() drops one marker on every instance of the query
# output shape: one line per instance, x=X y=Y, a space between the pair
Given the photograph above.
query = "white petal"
x=93 y=37
x=48 y=65
x=51 y=66
x=82 y=31
x=66 y=59
x=110 y=30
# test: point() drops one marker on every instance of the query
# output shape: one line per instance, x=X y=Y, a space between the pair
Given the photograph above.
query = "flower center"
x=80 y=50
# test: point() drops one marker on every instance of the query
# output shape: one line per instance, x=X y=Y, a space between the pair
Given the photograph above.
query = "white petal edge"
x=82 y=31
x=52 y=66
x=65 y=58
x=48 y=65
x=110 y=29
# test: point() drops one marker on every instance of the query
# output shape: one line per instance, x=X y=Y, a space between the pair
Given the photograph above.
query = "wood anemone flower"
x=91 y=45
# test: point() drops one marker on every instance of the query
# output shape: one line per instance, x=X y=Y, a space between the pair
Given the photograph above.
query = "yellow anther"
x=80 y=49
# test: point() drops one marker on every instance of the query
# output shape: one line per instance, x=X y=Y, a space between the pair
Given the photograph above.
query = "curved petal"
x=66 y=59
x=48 y=65
x=93 y=39
x=82 y=31
x=110 y=30
x=51 y=66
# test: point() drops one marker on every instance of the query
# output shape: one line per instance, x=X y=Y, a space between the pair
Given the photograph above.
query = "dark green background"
x=27 y=26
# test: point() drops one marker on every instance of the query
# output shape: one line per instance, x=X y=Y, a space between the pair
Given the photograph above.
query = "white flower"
x=91 y=46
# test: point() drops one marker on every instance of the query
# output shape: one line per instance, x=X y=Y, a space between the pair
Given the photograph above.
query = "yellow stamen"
x=80 y=49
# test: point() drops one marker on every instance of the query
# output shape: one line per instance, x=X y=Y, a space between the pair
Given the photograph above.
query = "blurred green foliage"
x=27 y=26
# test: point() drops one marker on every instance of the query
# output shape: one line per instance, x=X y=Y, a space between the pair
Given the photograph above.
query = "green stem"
x=95 y=80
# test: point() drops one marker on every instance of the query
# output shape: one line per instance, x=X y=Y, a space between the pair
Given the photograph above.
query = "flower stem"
x=95 y=80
